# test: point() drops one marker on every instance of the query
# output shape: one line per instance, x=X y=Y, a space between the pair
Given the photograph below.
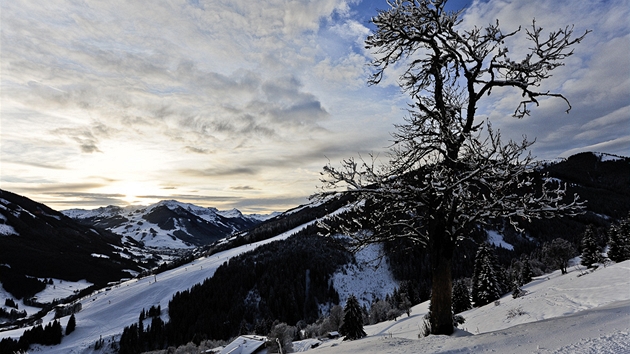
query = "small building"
x=246 y=345
x=333 y=335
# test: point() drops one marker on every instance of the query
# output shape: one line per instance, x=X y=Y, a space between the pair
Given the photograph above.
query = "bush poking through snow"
x=518 y=311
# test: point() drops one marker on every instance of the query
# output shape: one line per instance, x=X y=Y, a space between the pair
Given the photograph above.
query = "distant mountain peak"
x=168 y=223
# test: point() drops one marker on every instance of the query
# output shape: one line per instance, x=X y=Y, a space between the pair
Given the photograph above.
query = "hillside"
x=105 y=313
x=36 y=241
x=262 y=275
x=574 y=313
x=570 y=313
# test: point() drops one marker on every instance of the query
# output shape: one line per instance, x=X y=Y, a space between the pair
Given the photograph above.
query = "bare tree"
x=448 y=170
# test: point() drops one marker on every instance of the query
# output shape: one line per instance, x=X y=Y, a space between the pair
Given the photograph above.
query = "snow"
x=603 y=157
x=264 y=217
x=496 y=239
x=580 y=312
x=151 y=234
x=370 y=278
x=61 y=289
x=570 y=313
x=7 y=230
x=106 y=312
x=244 y=345
x=233 y=213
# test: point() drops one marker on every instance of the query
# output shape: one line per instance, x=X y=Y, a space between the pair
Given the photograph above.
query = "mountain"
x=558 y=310
x=282 y=279
x=39 y=242
x=601 y=179
x=168 y=224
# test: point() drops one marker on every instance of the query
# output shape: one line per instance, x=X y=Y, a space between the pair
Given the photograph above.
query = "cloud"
x=619 y=144
x=250 y=98
x=219 y=171
x=590 y=79
x=242 y=188
x=197 y=150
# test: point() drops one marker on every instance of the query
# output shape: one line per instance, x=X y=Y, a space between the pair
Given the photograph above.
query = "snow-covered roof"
x=246 y=345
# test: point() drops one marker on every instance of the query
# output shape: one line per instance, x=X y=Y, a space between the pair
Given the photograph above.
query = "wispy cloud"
x=246 y=100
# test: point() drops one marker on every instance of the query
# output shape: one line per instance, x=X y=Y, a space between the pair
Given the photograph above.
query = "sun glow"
x=134 y=192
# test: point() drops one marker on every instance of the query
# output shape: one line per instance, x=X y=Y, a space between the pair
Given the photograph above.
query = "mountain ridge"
x=168 y=223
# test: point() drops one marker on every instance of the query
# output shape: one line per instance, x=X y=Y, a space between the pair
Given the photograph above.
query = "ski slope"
x=107 y=312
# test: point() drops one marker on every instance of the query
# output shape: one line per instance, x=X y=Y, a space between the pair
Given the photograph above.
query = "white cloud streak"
x=209 y=96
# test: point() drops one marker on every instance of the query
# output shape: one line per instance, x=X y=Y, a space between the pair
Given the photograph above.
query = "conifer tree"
x=485 y=287
x=72 y=324
x=526 y=272
x=461 y=296
x=590 y=249
x=352 y=326
x=619 y=241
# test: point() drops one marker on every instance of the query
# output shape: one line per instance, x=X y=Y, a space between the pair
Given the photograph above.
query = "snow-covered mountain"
x=574 y=313
x=39 y=242
x=169 y=223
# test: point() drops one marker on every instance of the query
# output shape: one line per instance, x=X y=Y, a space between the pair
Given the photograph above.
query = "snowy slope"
x=107 y=312
x=367 y=279
x=168 y=224
x=570 y=313
x=574 y=313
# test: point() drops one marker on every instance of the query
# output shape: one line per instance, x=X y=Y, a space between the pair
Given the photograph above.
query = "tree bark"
x=441 y=289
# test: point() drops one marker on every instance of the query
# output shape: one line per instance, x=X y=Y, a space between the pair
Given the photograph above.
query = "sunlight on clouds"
x=240 y=103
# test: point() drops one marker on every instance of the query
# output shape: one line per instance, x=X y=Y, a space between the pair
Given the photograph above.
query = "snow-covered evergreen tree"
x=352 y=327
x=590 y=250
x=619 y=241
x=485 y=287
x=461 y=296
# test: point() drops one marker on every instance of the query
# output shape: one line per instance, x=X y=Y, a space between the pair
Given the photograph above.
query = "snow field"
x=368 y=279
x=588 y=313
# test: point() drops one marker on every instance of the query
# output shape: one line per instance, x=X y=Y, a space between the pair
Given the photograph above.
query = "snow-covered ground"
x=151 y=234
x=495 y=238
x=574 y=313
x=370 y=278
x=106 y=313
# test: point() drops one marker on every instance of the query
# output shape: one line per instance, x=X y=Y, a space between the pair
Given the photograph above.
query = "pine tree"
x=590 y=251
x=526 y=272
x=461 y=296
x=619 y=241
x=485 y=287
x=72 y=324
x=352 y=326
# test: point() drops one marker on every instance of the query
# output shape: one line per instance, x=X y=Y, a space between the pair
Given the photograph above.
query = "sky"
x=239 y=104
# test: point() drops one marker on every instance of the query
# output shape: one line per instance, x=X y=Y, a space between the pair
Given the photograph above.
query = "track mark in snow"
x=612 y=343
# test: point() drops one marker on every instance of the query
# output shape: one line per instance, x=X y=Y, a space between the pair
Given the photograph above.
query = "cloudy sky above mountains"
x=241 y=103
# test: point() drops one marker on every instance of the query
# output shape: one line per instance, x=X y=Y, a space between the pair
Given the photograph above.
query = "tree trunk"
x=441 y=288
